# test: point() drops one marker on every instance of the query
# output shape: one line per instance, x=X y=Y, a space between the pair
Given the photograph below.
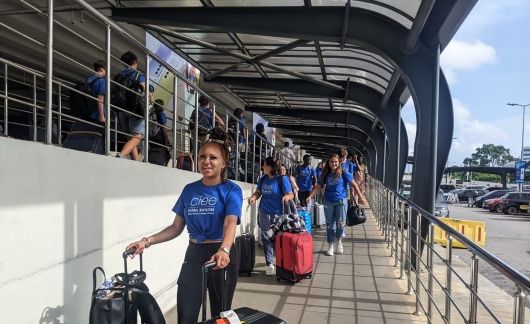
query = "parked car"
x=513 y=202
x=464 y=195
x=454 y=191
x=440 y=206
x=493 y=205
x=476 y=187
x=490 y=195
x=447 y=187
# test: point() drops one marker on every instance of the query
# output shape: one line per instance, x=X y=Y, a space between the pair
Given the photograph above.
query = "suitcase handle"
x=205 y=269
x=125 y=254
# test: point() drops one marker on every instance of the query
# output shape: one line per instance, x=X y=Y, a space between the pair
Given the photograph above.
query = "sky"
x=487 y=65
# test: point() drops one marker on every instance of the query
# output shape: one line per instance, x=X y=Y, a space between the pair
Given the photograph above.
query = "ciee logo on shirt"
x=203 y=201
x=332 y=181
x=266 y=189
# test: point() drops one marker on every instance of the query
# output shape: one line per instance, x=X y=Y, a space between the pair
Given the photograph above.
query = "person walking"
x=334 y=180
x=211 y=228
x=275 y=191
x=305 y=178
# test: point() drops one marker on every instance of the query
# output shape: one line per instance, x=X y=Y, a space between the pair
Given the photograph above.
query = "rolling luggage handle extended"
x=125 y=254
x=205 y=269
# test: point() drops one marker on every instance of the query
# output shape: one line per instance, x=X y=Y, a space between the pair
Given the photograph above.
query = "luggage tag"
x=231 y=316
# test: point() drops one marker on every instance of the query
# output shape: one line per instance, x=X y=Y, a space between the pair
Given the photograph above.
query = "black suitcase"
x=246 y=249
x=86 y=138
x=159 y=155
x=245 y=314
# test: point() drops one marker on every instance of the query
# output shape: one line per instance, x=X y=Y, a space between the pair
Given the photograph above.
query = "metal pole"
x=402 y=238
x=116 y=116
x=398 y=148
x=418 y=265
x=254 y=159
x=473 y=285
x=196 y=134
x=60 y=115
x=49 y=75
x=448 y=281
x=519 y=308
x=396 y=229
x=236 y=167
x=434 y=130
x=6 y=101
x=146 y=110
x=430 y=266
x=522 y=147
x=175 y=117
x=107 y=89
x=246 y=156
x=34 y=108
x=213 y=114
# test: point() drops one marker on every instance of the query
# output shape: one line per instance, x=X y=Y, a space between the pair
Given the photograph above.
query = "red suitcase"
x=294 y=256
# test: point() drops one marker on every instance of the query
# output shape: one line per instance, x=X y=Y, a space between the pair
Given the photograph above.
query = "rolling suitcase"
x=245 y=314
x=294 y=256
x=319 y=219
x=246 y=249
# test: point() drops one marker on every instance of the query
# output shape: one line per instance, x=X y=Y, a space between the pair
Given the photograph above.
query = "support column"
x=49 y=75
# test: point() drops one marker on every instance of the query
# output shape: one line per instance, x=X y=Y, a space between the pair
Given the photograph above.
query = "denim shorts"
x=136 y=125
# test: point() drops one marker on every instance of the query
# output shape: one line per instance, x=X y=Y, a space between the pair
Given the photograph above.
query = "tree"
x=489 y=155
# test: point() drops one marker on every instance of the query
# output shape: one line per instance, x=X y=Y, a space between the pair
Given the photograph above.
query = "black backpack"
x=128 y=100
x=81 y=105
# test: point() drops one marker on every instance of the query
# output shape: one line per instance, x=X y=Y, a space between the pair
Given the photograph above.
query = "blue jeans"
x=335 y=218
x=265 y=221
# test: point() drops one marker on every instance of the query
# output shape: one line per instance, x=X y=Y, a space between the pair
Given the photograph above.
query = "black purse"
x=355 y=215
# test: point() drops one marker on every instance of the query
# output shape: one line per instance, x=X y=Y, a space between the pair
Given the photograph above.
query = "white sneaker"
x=270 y=270
x=330 y=250
x=340 y=248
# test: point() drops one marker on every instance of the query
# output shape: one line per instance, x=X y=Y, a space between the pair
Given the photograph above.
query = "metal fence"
x=49 y=119
x=400 y=221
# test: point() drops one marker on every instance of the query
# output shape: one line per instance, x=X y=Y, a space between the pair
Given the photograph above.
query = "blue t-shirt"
x=318 y=172
x=130 y=73
x=97 y=88
x=271 y=195
x=205 y=117
x=205 y=208
x=336 y=189
x=161 y=118
x=304 y=177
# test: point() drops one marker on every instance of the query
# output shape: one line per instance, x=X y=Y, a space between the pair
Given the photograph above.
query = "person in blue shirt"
x=271 y=206
x=129 y=123
x=334 y=180
x=98 y=89
x=318 y=173
x=206 y=117
x=305 y=178
x=210 y=209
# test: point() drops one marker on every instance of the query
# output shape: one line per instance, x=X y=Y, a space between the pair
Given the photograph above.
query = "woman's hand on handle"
x=221 y=259
x=252 y=200
x=138 y=246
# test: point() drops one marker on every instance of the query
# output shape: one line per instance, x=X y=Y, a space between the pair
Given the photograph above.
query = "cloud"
x=462 y=56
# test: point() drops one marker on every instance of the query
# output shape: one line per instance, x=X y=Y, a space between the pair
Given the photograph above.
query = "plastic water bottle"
x=103 y=292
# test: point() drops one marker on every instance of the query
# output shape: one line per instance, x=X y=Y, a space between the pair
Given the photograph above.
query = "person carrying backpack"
x=131 y=101
x=83 y=107
x=274 y=190
x=335 y=182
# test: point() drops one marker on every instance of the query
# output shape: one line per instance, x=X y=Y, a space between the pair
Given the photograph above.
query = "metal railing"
x=55 y=114
x=400 y=221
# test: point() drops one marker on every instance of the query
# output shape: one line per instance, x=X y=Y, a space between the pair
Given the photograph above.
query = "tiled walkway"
x=359 y=286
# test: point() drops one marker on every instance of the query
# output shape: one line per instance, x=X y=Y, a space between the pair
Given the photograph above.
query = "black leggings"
x=189 y=292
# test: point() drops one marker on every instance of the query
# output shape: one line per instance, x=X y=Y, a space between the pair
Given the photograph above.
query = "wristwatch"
x=225 y=250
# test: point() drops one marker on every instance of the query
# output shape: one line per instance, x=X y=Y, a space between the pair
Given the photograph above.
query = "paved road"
x=507 y=237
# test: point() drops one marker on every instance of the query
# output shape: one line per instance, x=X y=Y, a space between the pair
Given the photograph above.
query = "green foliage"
x=486 y=177
x=489 y=155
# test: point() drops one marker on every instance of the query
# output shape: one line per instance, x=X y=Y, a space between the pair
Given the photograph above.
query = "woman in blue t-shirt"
x=271 y=206
x=335 y=182
x=210 y=208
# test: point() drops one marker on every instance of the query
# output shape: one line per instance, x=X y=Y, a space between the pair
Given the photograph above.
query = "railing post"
x=146 y=110
x=396 y=229
x=246 y=156
x=402 y=239
x=519 y=307
x=175 y=117
x=34 y=123
x=448 y=282
x=430 y=266
x=473 y=285
x=236 y=167
x=6 y=101
x=59 y=116
x=49 y=76
x=409 y=251
x=253 y=158
x=196 y=132
x=418 y=264
x=107 y=89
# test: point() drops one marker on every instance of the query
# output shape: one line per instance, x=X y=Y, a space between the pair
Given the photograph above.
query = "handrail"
x=515 y=275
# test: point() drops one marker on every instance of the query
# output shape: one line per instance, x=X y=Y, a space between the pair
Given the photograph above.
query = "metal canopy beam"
x=357 y=92
x=259 y=58
x=417 y=25
x=334 y=131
